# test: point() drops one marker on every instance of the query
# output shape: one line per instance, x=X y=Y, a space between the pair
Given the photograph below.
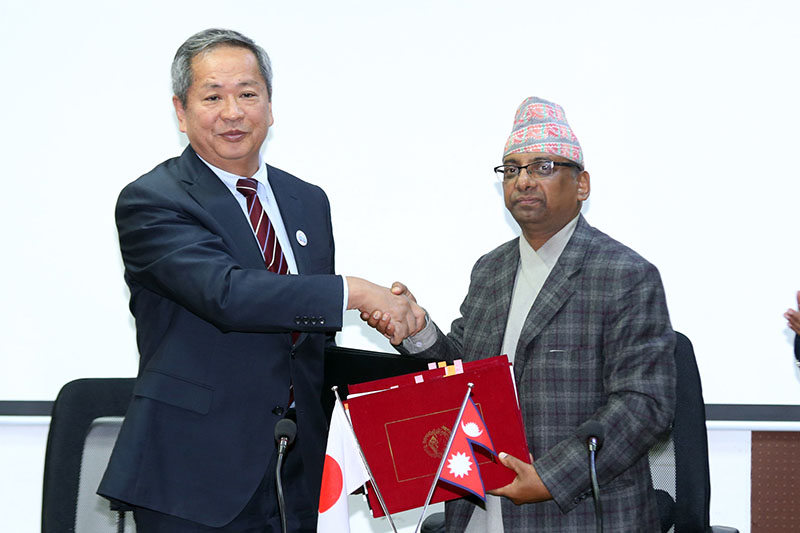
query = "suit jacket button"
x=297 y=319
x=322 y=320
x=278 y=410
x=314 y=320
x=305 y=320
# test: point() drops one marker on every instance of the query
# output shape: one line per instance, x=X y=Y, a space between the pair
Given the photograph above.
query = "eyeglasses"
x=539 y=169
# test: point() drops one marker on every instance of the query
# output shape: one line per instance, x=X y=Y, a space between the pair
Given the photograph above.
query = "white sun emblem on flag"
x=459 y=465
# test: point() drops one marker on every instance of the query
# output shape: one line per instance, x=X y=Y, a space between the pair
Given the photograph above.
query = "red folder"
x=404 y=428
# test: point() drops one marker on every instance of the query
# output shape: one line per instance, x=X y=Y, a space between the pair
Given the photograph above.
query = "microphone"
x=285 y=432
x=666 y=509
x=592 y=434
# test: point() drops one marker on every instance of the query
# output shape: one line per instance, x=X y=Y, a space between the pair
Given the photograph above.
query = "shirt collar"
x=551 y=250
x=230 y=179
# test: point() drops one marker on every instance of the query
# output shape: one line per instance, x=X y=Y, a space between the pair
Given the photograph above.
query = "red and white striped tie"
x=265 y=233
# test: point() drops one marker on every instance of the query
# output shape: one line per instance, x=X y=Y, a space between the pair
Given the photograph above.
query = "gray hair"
x=205 y=41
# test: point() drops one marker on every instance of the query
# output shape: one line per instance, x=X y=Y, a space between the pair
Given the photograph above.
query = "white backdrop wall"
x=687 y=112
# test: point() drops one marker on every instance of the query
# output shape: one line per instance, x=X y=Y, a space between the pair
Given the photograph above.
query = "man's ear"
x=270 y=118
x=180 y=112
x=584 y=186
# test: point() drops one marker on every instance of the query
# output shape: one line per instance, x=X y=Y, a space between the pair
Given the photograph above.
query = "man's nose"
x=231 y=109
x=525 y=180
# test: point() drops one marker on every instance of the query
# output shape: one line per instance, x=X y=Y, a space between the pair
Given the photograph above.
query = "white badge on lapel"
x=301 y=237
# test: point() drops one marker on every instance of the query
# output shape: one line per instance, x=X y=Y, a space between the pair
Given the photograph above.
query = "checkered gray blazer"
x=597 y=344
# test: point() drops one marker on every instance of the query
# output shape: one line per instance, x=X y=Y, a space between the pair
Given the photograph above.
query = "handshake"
x=393 y=312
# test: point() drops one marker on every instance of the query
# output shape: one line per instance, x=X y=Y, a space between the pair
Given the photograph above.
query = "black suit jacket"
x=214 y=334
x=797 y=347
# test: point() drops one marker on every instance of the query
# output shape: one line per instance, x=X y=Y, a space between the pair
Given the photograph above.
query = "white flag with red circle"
x=343 y=473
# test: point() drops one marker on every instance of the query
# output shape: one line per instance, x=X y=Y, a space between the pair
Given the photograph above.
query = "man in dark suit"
x=230 y=265
x=585 y=322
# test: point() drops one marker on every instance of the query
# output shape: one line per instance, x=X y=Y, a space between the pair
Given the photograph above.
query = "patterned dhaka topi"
x=541 y=126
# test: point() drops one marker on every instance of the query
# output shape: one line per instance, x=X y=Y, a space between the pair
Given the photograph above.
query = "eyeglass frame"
x=534 y=175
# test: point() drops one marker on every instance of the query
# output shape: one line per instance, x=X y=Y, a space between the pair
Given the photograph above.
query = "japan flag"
x=343 y=473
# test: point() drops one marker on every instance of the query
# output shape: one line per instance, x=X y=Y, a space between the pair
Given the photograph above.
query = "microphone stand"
x=591 y=433
x=285 y=432
x=598 y=508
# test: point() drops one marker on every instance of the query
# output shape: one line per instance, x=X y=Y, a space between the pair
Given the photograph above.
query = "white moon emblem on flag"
x=471 y=429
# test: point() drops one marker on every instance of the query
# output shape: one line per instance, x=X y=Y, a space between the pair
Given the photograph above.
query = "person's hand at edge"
x=793 y=316
x=527 y=487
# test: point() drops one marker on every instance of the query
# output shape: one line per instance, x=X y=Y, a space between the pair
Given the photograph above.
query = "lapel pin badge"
x=301 y=237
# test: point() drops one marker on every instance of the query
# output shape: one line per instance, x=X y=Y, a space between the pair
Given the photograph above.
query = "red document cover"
x=404 y=428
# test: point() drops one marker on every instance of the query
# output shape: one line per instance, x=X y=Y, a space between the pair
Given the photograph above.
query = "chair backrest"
x=85 y=421
x=679 y=463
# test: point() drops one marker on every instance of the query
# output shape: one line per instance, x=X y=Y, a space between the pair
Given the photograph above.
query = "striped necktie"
x=265 y=233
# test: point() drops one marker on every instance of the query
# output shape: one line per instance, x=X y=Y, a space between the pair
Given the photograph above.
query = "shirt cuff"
x=345 y=293
x=423 y=340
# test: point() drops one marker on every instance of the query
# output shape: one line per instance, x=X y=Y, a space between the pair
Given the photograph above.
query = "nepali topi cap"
x=541 y=126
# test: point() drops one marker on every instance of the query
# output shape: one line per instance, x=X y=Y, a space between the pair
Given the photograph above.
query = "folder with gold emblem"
x=403 y=425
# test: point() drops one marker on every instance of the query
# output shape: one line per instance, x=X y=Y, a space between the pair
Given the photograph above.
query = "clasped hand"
x=393 y=312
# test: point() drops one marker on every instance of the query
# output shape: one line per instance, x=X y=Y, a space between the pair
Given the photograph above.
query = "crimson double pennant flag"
x=461 y=468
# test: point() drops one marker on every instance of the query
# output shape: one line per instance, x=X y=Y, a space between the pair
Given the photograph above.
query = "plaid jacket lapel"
x=555 y=292
x=493 y=290
x=500 y=301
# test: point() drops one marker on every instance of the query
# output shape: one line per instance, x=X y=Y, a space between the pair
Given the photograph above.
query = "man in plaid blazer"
x=585 y=321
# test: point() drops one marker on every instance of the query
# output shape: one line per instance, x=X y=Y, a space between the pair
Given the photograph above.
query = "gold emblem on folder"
x=435 y=441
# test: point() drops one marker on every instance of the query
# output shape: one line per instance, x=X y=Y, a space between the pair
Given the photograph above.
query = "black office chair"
x=85 y=422
x=679 y=463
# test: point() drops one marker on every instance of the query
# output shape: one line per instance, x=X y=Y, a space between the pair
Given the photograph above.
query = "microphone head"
x=666 y=509
x=592 y=428
x=285 y=428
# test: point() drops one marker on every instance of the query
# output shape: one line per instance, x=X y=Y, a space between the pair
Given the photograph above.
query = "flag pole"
x=335 y=390
x=445 y=454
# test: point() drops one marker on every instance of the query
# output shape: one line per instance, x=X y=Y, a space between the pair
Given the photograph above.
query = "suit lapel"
x=215 y=198
x=292 y=213
x=556 y=291
x=498 y=282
